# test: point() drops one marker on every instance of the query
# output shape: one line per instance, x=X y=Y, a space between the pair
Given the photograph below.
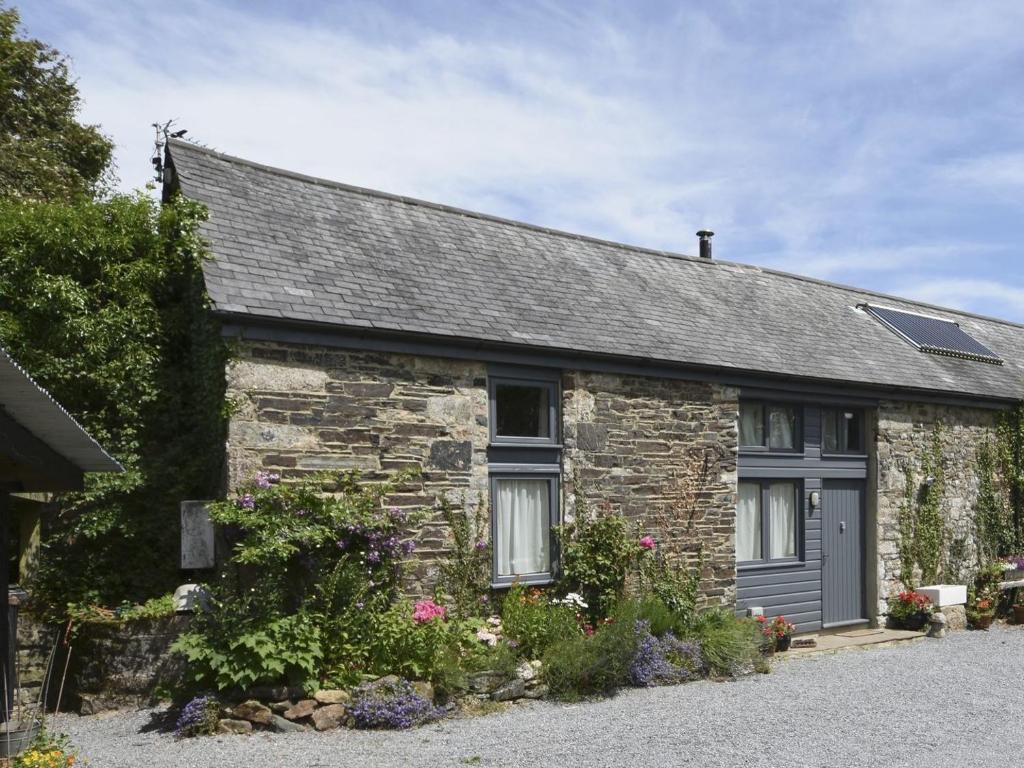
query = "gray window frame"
x=862 y=414
x=527 y=472
x=799 y=439
x=798 y=529
x=551 y=382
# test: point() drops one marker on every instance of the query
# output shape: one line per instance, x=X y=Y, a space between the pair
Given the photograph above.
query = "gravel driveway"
x=952 y=702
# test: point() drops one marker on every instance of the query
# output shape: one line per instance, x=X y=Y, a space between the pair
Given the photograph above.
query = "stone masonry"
x=904 y=438
x=638 y=444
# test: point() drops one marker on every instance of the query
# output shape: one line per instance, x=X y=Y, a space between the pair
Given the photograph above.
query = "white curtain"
x=781 y=422
x=782 y=509
x=523 y=521
x=748 y=523
x=751 y=425
x=830 y=429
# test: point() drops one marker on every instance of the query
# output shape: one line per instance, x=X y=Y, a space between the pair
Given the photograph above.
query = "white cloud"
x=987 y=297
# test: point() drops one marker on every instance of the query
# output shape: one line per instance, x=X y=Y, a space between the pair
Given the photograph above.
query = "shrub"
x=659 y=617
x=662 y=660
x=598 y=552
x=593 y=664
x=670 y=580
x=535 y=623
x=465 y=574
x=390 y=703
x=728 y=645
x=198 y=718
x=414 y=648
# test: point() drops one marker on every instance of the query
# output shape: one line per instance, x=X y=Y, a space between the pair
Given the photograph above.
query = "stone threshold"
x=833 y=642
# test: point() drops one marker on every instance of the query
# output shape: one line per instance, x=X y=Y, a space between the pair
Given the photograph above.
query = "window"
x=767 y=521
x=522 y=525
x=775 y=427
x=523 y=411
x=842 y=430
x=524 y=460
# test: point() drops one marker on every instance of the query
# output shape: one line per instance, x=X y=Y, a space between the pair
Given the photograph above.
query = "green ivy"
x=994 y=534
x=1010 y=457
x=922 y=529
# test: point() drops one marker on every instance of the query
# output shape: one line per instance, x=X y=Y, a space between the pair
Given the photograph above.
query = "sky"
x=873 y=143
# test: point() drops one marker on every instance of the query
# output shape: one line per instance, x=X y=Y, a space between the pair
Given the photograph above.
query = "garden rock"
x=300 y=710
x=332 y=696
x=956 y=616
x=514 y=689
x=254 y=712
x=486 y=682
x=281 y=725
x=537 y=692
x=280 y=707
x=424 y=689
x=234 y=726
x=938 y=625
x=329 y=717
x=526 y=672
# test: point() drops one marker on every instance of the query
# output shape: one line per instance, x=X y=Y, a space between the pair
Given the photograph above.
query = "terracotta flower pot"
x=982 y=620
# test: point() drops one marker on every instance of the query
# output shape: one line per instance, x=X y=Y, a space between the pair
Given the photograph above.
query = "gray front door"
x=842 y=551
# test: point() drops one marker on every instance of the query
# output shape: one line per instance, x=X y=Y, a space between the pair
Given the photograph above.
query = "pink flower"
x=425 y=610
x=647 y=542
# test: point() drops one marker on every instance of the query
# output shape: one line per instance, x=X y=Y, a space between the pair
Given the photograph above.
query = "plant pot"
x=916 y=621
x=783 y=643
x=982 y=620
x=16 y=740
x=1018 y=614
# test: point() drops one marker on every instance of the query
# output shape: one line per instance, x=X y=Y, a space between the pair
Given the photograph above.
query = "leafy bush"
x=465 y=574
x=598 y=552
x=729 y=645
x=669 y=579
x=420 y=650
x=198 y=717
x=390 y=703
x=663 y=660
x=594 y=664
x=535 y=623
x=659 y=617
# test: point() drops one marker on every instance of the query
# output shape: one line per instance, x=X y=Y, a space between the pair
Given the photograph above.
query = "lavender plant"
x=663 y=660
x=390 y=703
x=198 y=718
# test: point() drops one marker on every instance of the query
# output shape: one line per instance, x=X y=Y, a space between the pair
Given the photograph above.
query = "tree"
x=45 y=152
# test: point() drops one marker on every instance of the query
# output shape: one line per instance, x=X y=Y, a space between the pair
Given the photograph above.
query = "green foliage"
x=45 y=153
x=313 y=573
x=465 y=575
x=662 y=619
x=994 y=534
x=417 y=651
x=284 y=649
x=593 y=664
x=671 y=580
x=103 y=303
x=923 y=535
x=1010 y=457
x=598 y=553
x=728 y=645
x=535 y=623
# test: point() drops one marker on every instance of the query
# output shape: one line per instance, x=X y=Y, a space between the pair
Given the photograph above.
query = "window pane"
x=522 y=526
x=522 y=410
x=751 y=424
x=748 y=523
x=830 y=430
x=782 y=428
x=782 y=528
x=854 y=442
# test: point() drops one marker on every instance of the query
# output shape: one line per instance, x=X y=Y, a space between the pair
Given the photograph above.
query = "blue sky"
x=873 y=143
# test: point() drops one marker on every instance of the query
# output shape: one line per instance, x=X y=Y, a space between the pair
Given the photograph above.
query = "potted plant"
x=778 y=632
x=981 y=610
x=910 y=610
x=1013 y=568
x=1018 y=609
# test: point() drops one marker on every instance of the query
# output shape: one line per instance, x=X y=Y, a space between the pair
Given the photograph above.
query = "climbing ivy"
x=1010 y=458
x=994 y=534
x=922 y=530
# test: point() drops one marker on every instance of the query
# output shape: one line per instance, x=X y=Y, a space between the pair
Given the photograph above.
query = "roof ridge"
x=572 y=235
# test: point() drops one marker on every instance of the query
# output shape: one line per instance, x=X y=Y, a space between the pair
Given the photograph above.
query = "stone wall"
x=663 y=452
x=303 y=409
x=636 y=442
x=903 y=440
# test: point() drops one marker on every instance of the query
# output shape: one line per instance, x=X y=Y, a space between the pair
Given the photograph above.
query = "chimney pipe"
x=705 y=236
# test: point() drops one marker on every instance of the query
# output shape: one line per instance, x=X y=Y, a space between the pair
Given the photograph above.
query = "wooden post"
x=6 y=641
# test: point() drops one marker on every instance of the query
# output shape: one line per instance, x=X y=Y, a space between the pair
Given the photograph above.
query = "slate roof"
x=297 y=248
x=34 y=409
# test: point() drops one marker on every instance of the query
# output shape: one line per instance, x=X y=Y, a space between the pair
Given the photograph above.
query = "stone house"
x=763 y=419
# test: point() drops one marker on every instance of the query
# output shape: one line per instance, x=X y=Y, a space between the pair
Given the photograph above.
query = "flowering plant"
x=907 y=604
x=198 y=718
x=425 y=610
x=648 y=543
x=390 y=702
x=776 y=628
x=663 y=660
x=47 y=751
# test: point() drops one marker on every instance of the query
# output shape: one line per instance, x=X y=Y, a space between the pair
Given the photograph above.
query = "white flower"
x=573 y=599
x=494 y=621
x=486 y=637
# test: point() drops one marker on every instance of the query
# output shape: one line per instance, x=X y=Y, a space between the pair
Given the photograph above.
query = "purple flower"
x=247 y=501
x=342 y=543
x=390 y=705
x=481 y=545
x=408 y=547
x=373 y=556
x=664 y=660
x=267 y=479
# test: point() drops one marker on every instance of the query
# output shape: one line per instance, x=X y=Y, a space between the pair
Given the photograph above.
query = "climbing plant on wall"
x=1010 y=457
x=922 y=530
x=994 y=534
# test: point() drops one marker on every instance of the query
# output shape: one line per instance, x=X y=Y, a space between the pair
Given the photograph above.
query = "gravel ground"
x=952 y=702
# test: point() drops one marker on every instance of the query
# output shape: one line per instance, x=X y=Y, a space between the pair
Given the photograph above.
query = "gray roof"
x=32 y=407
x=296 y=248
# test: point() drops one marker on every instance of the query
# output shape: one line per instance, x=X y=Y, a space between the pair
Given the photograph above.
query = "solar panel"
x=933 y=334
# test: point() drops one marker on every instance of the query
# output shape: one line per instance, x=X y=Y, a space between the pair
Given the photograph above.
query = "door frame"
x=863 y=552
